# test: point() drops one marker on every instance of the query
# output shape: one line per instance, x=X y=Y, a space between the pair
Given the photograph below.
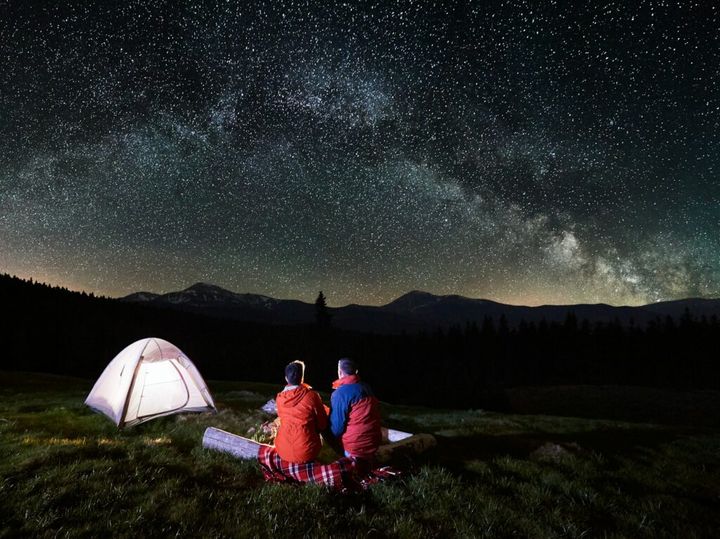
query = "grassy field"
x=65 y=471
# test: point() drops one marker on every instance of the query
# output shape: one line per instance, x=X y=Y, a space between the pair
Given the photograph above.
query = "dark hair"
x=347 y=366
x=294 y=373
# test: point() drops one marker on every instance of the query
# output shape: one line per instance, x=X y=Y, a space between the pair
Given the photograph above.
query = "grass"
x=65 y=471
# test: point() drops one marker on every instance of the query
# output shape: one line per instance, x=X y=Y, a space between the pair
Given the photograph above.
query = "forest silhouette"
x=50 y=329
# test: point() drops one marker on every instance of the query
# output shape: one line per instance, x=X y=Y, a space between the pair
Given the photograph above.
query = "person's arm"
x=321 y=418
x=339 y=413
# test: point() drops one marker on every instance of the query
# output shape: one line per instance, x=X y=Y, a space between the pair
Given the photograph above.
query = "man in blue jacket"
x=354 y=413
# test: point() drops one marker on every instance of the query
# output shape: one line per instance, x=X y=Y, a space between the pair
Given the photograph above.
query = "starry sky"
x=525 y=152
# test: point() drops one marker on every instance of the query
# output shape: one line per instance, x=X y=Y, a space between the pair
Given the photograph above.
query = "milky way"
x=527 y=154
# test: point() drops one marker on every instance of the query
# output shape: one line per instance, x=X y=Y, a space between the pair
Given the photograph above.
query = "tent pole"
x=121 y=424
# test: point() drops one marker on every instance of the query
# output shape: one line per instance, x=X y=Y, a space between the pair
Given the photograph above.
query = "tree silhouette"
x=58 y=331
x=322 y=315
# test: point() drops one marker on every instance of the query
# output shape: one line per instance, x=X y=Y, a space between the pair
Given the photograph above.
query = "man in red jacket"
x=302 y=418
x=354 y=413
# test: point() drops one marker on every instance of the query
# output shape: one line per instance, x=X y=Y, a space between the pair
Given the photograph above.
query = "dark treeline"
x=50 y=329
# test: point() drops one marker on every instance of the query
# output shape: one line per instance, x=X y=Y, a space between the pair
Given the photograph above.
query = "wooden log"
x=227 y=442
x=244 y=448
x=397 y=441
x=413 y=445
x=391 y=435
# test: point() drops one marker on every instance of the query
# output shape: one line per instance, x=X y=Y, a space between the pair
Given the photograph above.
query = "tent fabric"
x=148 y=379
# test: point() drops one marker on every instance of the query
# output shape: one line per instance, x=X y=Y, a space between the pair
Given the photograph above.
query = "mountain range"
x=410 y=312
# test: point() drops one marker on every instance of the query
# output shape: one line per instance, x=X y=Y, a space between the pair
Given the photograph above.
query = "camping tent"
x=148 y=379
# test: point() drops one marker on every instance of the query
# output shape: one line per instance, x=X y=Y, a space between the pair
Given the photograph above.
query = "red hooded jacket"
x=302 y=418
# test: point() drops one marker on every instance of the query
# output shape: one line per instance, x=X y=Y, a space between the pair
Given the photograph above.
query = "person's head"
x=346 y=367
x=294 y=373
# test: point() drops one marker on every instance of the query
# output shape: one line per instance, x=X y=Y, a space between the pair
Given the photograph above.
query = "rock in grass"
x=555 y=452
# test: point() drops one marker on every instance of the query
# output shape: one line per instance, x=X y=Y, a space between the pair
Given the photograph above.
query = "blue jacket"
x=355 y=417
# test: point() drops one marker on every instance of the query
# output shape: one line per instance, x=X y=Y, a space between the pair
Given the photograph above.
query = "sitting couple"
x=352 y=424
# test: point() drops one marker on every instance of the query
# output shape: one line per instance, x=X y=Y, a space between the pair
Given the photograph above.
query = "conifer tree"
x=322 y=315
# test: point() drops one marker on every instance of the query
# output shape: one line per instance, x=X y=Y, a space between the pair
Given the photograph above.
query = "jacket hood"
x=290 y=397
x=349 y=379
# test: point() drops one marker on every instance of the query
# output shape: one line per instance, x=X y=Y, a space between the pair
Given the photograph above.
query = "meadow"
x=68 y=472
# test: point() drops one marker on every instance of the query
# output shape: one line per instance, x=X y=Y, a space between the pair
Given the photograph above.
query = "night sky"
x=526 y=152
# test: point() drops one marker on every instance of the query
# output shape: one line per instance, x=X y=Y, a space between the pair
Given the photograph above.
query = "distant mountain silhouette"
x=141 y=296
x=213 y=300
x=696 y=306
x=414 y=311
x=411 y=301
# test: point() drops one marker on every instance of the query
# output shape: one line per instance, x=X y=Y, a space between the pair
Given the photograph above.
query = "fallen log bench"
x=414 y=444
x=227 y=442
x=244 y=448
x=391 y=435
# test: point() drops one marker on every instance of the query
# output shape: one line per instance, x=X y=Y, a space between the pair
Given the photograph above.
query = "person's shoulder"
x=356 y=390
x=345 y=390
x=366 y=389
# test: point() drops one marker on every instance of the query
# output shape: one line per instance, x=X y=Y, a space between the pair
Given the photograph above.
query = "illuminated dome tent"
x=148 y=379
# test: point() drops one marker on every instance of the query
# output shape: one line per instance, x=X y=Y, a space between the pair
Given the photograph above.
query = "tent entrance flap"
x=163 y=390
